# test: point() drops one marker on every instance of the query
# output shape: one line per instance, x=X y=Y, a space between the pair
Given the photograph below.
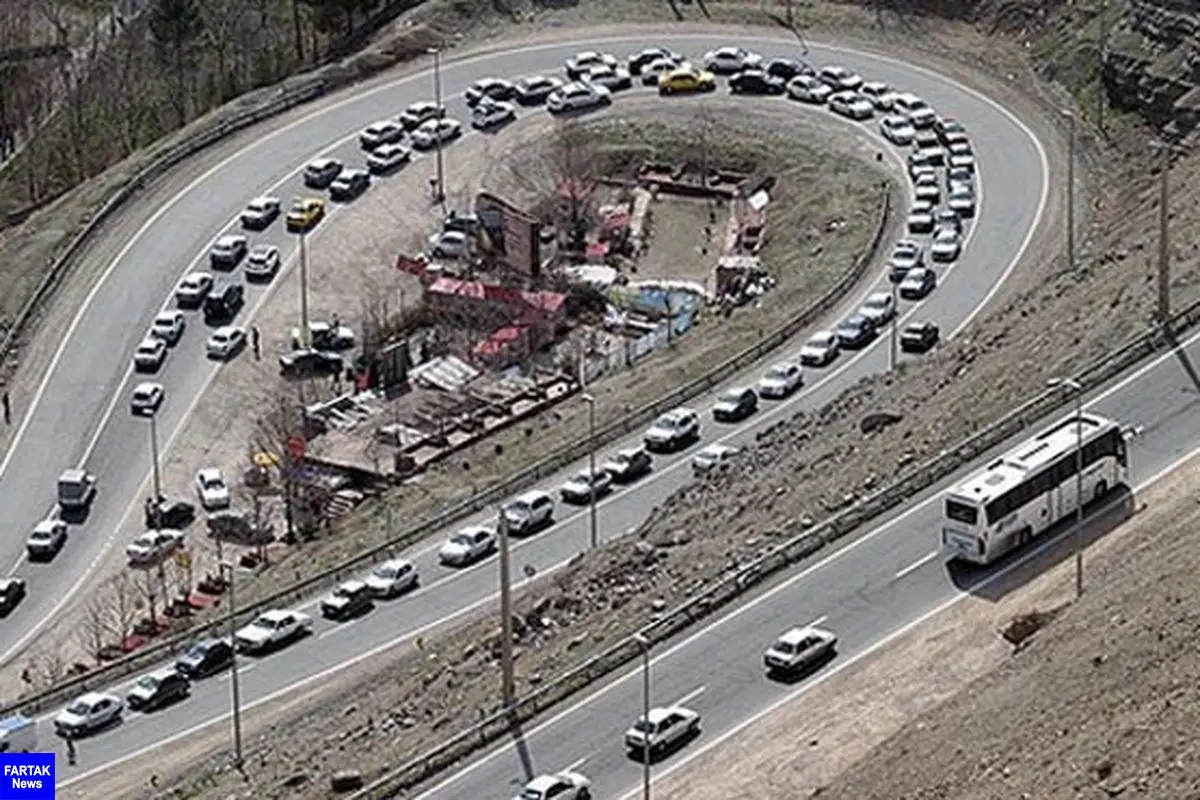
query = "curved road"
x=79 y=418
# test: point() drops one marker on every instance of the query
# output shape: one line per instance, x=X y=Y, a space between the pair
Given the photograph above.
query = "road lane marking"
x=692 y=695
x=818 y=621
x=576 y=765
x=345 y=626
x=916 y=565
x=241 y=670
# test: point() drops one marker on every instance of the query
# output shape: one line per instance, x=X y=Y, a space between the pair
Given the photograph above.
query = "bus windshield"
x=962 y=512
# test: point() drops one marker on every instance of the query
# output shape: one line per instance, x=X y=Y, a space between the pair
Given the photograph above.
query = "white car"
x=212 y=489
x=800 y=649
x=946 y=245
x=917 y=283
x=662 y=728
x=878 y=308
x=436 y=131
x=486 y=89
x=153 y=546
x=392 y=577
x=225 y=341
x=150 y=354
x=840 y=79
x=920 y=217
x=493 y=113
x=193 y=289
x=380 y=133
x=388 y=157
x=528 y=512
x=673 y=429
x=47 y=538
x=728 y=60
x=961 y=175
x=263 y=263
x=228 y=250
x=808 y=89
x=851 y=106
x=419 y=113
x=962 y=199
x=897 y=130
x=168 y=326
x=578 y=96
x=713 y=456
x=468 y=545
x=820 y=349
x=906 y=255
x=562 y=786
x=89 y=713
x=583 y=486
x=449 y=244
x=922 y=118
x=260 y=212
x=879 y=94
x=582 y=63
x=925 y=187
x=780 y=380
x=962 y=161
x=271 y=629
x=146 y=398
x=320 y=172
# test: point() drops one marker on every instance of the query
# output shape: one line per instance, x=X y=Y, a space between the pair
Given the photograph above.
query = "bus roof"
x=1027 y=458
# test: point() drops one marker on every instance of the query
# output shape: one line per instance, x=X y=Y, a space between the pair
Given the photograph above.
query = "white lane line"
x=241 y=670
x=345 y=626
x=916 y=565
x=690 y=696
x=576 y=765
x=818 y=621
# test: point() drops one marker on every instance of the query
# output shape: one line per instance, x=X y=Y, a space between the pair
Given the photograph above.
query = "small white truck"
x=18 y=734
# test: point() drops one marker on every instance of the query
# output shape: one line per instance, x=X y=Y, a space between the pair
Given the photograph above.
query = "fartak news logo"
x=26 y=776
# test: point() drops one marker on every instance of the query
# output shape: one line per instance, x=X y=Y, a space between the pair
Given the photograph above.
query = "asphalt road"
x=74 y=408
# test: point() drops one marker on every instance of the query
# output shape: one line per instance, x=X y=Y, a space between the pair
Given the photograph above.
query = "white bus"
x=1028 y=489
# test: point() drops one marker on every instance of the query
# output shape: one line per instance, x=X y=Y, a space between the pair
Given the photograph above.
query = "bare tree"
x=274 y=435
x=149 y=587
x=564 y=176
x=96 y=627
x=48 y=665
x=121 y=593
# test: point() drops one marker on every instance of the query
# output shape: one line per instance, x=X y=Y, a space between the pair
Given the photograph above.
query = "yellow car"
x=305 y=213
x=686 y=79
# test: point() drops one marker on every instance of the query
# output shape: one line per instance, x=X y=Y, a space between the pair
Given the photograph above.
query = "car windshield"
x=39 y=535
x=213 y=481
x=784 y=647
x=196 y=652
x=462 y=539
x=732 y=396
x=778 y=371
x=148 y=682
x=877 y=301
x=264 y=623
x=79 y=707
x=387 y=572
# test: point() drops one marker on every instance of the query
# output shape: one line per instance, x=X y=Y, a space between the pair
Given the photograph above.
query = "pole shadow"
x=1185 y=361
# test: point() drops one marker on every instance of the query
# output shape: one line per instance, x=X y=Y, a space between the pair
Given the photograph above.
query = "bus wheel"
x=1100 y=490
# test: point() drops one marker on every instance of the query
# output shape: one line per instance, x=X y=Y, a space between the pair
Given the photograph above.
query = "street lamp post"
x=892 y=332
x=233 y=668
x=645 y=645
x=305 y=333
x=508 y=689
x=1077 y=388
x=1070 y=189
x=440 y=196
x=591 y=403
x=1164 y=242
x=154 y=471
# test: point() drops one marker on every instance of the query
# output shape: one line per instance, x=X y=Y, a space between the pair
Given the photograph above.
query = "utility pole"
x=1101 y=94
x=591 y=403
x=157 y=476
x=1074 y=385
x=893 y=336
x=305 y=333
x=437 y=99
x=1164 y=259
x=233 y=669
x=507 y=683
x=645 y=645
x=1070 y=190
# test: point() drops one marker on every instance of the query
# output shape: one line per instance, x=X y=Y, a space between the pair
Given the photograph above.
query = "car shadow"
x=795 y=676
x=358 y=613
x=112 y=724
x=77 y=516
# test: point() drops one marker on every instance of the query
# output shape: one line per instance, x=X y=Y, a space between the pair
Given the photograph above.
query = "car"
x=175 y=514
x=263 y=263
x=961 y=175
x=157 y=689
x=578 y=97
x=347 y=600
x=788 y=68
x=146 y=398
x=672 y=430
x=612 y=78
x=920 y=217
x=388 y=158
x=926 y=187
x=655 y=70
x=820 y=349
x=800 y=649
x=260 y=212
x=949 y=130
x=419 y=113
x=685 y=79
x=878 y=94
x=808 y=89
x=756 y=81
x=225 y=341
x=205 y=657
x=962 y=199
x=638 y=62
x=533 y=90
x=76 y=489
x=947 y=244
x=918 y=283
x=321 y=172
x=152 y=547
x=449 y=244
x=919 y=337
x=349 y=185
x=228 y=250
x=580 y=64
x=851 y=106
x=922 y=118
x=925 y=139
x=192 y=290
x=948 y=218
x=309 y=361
x=486 y=116
x=325 y=336
x=392 y=578
x=435 y=132
x=713 y=456
x=897 y=130
x=271 y=629
x=47 y=538
x=304 y=214
x=468 y=545
x=924 y=160
x=629 y=464
x=839 y=78
x=12 y=592
x=528 y=512
x=560 y=786
x=735 y=404
x=380 y=133
x=490 y=89
x=91 y=712
x=906 y=255
x=661 y=729
x=149 y=355
x=212 y=489
x=780 y=380
x=878 y=308
x=728 y=60
x=854 y=332
x=585 y=486
x=168 y=326
x=907 y=103
x=224 y=302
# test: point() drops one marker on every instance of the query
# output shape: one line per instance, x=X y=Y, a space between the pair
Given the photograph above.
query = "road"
x=85 y=422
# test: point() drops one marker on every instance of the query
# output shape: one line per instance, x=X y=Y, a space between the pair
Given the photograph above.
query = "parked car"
x=89 y=713
x=878 y=308
x=468 y=545
x=349 y=185
x=808 y=89
x=800 y=649
x=897 y=129
x=157 y=689
x=653 y=72
x=146 y=399
x=435 y=132
x=662 y=729
x=149 y=355
x=299 y=363
x=728 y=60
x=713 y=456
x=583 y=486
x=947 y=244
x=166 y=513
x=304 y=214
x=325 y=336
x=260 y=212
x=780 y=380
x=388 y=158
x=492 y=114
x=168 y=326
x=271 y=629
x=12 y=592
x=580 y=64
x=321 y=172
x=920 y=217
x=672 y=430
x=205 y=657
x=918 y=283
x=264 y=262
x=756 y=82
x=489 y=89
x=392 y=578
x=560 y=786
x=878 y=94
x=820 y=349
x=948 y=218
x=380 y=133
x=962 y=199
x=949 y=130
x=629 y=464
x=534 y=89
x=907 y=255
x=420 y=112
x=788 y=68
x=855 y=332
x=735 y=404
x=347 y=600
x=925 y=187
x=152 y=547
x=224 y=302
x=685 y=79
x=851 y=105
x=639 y=61
x=839 y=78
x=225 y=342
x=228 y=251
x=918 y=337
x=578 y=97
x=192 y=290
x=212 y=489
x=528 y=512
x=612 y=78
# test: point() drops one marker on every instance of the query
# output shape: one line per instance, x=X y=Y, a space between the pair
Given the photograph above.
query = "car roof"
x=353 y=585
x=161 y=673
x=47 y=525
x=275 y=613
x=94 y=697
x=798 y=634
x=395 y=563
x=530 y=496
x=718 y=449
x=147 y=386
x=629 y=452
x=543 y=782
x=659 y=714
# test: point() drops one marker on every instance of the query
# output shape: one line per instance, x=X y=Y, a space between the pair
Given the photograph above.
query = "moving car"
x=686 y=79
x=820 y=349
x=168 y=326
x=735 y=404
x=583 y=486
x=854 y=332
x=947 y=244
x=158 y=689
x=76 y=489
x=672 y=430
x=808 y=89
x=271 y=629
x=228 y=250
x=662 y=729
x=878 y=308
x=561 y=786
x=612 y=78
x=434 y=132
x=47 y=538
x=263 y=263
x=212 y=489
x=628 y=464
x=225 y=341
x=299 y=363
x=756 y=82
x=581 y=63
x=12 y=592
x=392 y=577
x=851 y=106
x=193 y=289
x=93 y=711
x=949 y=130
x=146 y=398
x=305 y=213
x=728 y=60
x=149 y=355
x=639 y=61
x=321 y=172
x=578 y=97
x=347 y=600
x=349 y=185
x=920 y=217
x=380 y=133
x=800 y=649
x=533 y=90
x=420 y=112
x=468 y=545
x=918 y=337
x=839 y=78
x=224 y=302
x=388 y=157
x=260 y=212
x=205 y=657
x=780 y=380
x=152 y=547
x=489 y=89
x=788 y=68
x=906 y=255
x=492 y=114
x=897 y=130
x=918 y=283
x=713 y=456
x=878 y=94
x=528 y=512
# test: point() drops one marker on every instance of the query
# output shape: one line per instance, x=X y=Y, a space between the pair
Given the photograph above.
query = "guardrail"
x=147 y=656
x=801 y=544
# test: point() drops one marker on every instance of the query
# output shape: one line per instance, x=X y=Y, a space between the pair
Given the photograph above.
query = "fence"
x=630 y=351
x=799 y=545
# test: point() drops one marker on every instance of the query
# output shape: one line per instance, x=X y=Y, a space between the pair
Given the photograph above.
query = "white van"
x=18 y=734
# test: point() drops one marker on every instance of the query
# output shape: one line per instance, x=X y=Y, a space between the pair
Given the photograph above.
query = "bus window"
x=962 y=512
